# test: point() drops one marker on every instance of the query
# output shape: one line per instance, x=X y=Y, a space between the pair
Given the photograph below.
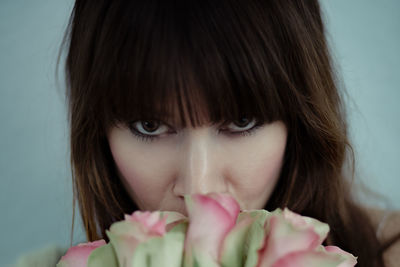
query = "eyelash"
x=149 y=138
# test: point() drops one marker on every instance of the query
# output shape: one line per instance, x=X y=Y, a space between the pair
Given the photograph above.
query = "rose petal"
x=103 y=256
x=210 y=222
x=137 y=228
x=151 y=221
x=303 y=222
x=349 y=261
x=283 y=237
x=255 y=237
x=77 y=256
x=165 y=251
x=228 y=202
x=309 y=259
x=234 y=247
x=173 y=219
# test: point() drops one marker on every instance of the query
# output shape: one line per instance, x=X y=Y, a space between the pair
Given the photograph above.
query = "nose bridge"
x=198 y=159
x=198 y=169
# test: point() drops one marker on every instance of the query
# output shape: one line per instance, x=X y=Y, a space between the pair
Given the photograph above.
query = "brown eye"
x=148 y=127
x=242 y=124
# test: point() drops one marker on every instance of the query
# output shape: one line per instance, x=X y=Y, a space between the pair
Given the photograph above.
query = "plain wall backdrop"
x=35 y=192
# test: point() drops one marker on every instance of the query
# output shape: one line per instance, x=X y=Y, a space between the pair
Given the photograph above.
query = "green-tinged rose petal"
x=173 y=219
x=126 y=235
x=124 y=246
x=181 y=228
x=212 y=217
x=255 y=235
x=199 y=259
x=348 y=259
x=282 y=238
x=62 y=264
x=77 y=256
x=172 y=216
x=233 y=247
x=315 y=258
x=322 y=229
x=163 y=251
x=127 y=228
x=103 y=256
x=307 y=259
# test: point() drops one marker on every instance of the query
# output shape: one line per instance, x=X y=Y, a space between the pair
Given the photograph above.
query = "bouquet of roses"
x=215 y=233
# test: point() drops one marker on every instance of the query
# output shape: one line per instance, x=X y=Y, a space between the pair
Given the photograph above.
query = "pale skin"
x=158 y=173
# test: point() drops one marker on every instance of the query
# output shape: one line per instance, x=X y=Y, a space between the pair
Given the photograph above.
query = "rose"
x=215 y=234
x=217 y=212
x=144 y=234
x=293 y=240
x=322 y=256
x=213 y=237
x=77 y=256
x=132 y=240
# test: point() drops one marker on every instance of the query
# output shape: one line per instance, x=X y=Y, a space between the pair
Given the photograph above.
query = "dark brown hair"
x=216 y=60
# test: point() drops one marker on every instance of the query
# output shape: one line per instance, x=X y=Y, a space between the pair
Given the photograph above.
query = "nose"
x=200 y=167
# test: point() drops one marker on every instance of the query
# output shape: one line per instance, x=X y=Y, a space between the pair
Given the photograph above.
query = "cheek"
x=143 y=172
x=264 y=172
x=256 y=171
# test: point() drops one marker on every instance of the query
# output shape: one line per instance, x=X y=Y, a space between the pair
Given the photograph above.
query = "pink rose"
x=323 y=256
x=137 y=228
x=211 y=217
x=151 y=222
x=215 y=234
x=349 y=259
x=126 y=235
x=295 y=240
x=77 y=256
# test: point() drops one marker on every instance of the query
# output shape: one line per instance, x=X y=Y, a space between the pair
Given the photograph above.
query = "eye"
x=148 y=130
x=243 y=126
x=242 y=123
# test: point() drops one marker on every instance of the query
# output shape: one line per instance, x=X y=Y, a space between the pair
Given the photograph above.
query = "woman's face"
x=159 y=172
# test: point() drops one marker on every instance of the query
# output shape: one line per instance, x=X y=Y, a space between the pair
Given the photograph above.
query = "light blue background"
x=35 y=195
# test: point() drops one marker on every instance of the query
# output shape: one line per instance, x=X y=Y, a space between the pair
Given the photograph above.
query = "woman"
x=170 y=98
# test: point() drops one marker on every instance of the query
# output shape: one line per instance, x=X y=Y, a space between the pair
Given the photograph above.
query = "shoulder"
x=44 y=257
x=387 y=225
